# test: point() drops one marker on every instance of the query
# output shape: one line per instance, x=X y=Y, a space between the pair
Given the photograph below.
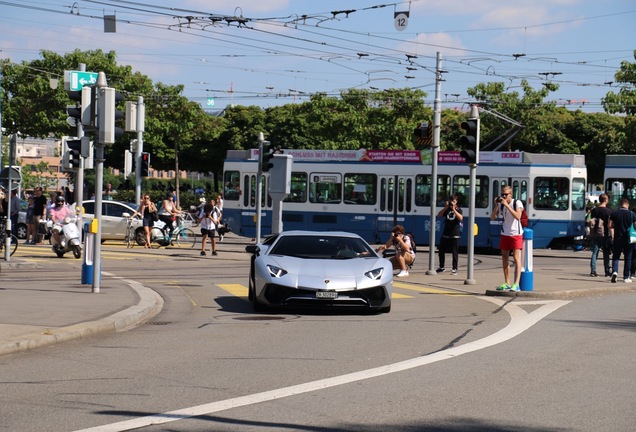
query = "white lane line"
x=520 y=321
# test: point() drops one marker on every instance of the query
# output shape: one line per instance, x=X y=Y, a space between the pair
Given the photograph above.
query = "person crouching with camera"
x=404 y=255
x=511 y=238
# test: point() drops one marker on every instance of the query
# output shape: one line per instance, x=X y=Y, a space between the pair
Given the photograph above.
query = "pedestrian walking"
x=39 y=212
x=208 y=219
x=600 y=235
x=511 y=238
x=619 y=223
x=31 y=231
x=451 y=233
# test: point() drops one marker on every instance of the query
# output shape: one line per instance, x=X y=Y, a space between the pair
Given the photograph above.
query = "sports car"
x=312 y=269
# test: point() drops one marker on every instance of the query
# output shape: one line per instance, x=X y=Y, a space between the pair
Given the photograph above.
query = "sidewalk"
x=42 y=304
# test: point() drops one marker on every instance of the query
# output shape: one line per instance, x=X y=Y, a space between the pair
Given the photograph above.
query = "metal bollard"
x=87 y=265
x=526 y=281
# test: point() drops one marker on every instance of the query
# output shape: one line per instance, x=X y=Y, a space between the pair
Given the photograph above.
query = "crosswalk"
x=240 y=291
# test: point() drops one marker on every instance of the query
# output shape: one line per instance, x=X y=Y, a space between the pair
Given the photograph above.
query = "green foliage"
x=178 y=131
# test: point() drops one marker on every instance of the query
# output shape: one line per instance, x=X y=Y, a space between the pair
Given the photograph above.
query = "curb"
x=150 y=304
x=564 y=294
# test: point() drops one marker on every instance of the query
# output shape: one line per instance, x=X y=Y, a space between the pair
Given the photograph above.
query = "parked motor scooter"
x=70 y=238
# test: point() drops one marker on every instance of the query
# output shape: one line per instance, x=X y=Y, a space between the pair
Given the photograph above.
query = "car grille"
x=286 y=296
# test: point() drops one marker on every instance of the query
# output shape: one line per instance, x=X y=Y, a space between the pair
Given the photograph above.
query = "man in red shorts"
x=511 y=236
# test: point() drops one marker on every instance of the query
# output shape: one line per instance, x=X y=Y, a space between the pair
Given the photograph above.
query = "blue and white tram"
x=620 y=179
x=368 y=192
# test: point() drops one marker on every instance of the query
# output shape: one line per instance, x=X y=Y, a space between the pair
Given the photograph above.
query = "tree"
x=624 y=102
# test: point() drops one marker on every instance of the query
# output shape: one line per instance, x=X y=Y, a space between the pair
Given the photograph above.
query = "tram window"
x=423 y=189
x=250 y=184
x=409 y=194
x=551 y=193
x=401 y=188
x=298 y=188
x=360 y=188
x=461 y=188
x=231 y=189
x=325 y=188
x=578 y=194
x=520 y=191
x=619 y=188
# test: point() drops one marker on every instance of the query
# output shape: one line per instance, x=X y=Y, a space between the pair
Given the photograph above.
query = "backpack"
x=597 y=227
x=524 y=215
x=413 y=245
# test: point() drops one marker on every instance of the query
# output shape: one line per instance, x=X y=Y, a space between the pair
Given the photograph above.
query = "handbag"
x=632 y=231
x=154 y=216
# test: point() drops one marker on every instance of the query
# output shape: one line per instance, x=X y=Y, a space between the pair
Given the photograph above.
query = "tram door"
x=519 y=187
x=396 y=205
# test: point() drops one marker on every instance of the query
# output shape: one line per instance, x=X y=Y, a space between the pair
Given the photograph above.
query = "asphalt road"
x=440 y=361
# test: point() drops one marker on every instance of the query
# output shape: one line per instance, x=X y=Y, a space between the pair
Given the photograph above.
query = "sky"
x=273 y=52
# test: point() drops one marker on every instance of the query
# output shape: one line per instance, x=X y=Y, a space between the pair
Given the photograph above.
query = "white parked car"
x=113 y=220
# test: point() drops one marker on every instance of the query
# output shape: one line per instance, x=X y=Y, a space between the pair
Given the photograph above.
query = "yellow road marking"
x=402 y=285
x=237 y=290
x=395 y=295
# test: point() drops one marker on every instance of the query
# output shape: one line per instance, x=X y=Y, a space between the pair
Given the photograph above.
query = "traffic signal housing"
x=107 y=115
x=470 y=141
x=71 y=153
x=424 y=133
x=145 y=164
x=83 y=112
x=268 y=155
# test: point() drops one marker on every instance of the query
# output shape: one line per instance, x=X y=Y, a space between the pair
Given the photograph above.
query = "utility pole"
x=79 y=176
x=437 y=120
x=474 y=115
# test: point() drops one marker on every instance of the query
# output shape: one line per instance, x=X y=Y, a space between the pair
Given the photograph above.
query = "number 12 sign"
x=401 y=20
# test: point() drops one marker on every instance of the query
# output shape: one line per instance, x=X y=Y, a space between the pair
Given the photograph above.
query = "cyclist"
x=168 y=213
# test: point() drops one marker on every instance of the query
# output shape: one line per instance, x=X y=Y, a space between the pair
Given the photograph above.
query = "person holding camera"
x=404 y=255
x=451 y=234
x=511 y=238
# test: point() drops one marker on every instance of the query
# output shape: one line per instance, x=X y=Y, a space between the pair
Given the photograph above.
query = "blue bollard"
x=526 y=281
x=87 y=265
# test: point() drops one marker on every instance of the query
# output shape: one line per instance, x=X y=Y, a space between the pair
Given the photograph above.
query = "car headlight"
x=276 y=271
x=375 y=274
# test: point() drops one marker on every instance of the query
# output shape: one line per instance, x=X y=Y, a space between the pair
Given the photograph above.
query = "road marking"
x=427 y=290
x=520 y=321
x=237 y=290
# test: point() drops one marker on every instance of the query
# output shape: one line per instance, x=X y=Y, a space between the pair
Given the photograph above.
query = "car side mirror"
x=253 y=249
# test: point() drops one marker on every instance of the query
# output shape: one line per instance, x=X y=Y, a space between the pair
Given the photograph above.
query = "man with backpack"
x=600 y=235
x=511 y=238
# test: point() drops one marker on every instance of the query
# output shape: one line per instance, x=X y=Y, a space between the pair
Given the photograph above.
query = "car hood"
x=331 y=274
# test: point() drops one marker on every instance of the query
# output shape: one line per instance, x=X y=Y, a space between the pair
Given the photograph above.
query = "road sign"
x=75 y=80
x=16 y=178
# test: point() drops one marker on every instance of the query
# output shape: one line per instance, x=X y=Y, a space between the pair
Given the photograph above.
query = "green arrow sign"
x=75 y=80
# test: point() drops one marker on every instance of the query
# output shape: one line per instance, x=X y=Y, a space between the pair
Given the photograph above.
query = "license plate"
x=326 y=294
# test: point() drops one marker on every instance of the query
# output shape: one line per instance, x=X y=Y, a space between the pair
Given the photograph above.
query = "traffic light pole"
x=259 y=186
x=79 y=175
x=474 y=115
x=140 y=148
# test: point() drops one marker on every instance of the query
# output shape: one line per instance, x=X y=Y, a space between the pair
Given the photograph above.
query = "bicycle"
x=182 y=236
x=3 y=237
x=132 y=236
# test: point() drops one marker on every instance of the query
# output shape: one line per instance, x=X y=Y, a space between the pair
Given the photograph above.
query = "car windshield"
x=321 y=247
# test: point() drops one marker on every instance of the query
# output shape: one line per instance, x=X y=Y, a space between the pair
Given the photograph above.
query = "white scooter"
x=70 y=238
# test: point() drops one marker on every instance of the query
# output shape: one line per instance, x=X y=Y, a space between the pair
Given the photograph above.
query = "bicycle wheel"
x=186 y=238
x=13 y=246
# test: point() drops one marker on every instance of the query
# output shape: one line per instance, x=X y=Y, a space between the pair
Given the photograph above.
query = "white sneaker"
x=628 y=280
x=402 y=273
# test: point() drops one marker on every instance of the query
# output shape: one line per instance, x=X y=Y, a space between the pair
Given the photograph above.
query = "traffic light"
x=83 y=110
x=424 y=133
x=470 y=141
x=268 y=155
x=108 y=114
x=145 y=164
x=71 y=153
